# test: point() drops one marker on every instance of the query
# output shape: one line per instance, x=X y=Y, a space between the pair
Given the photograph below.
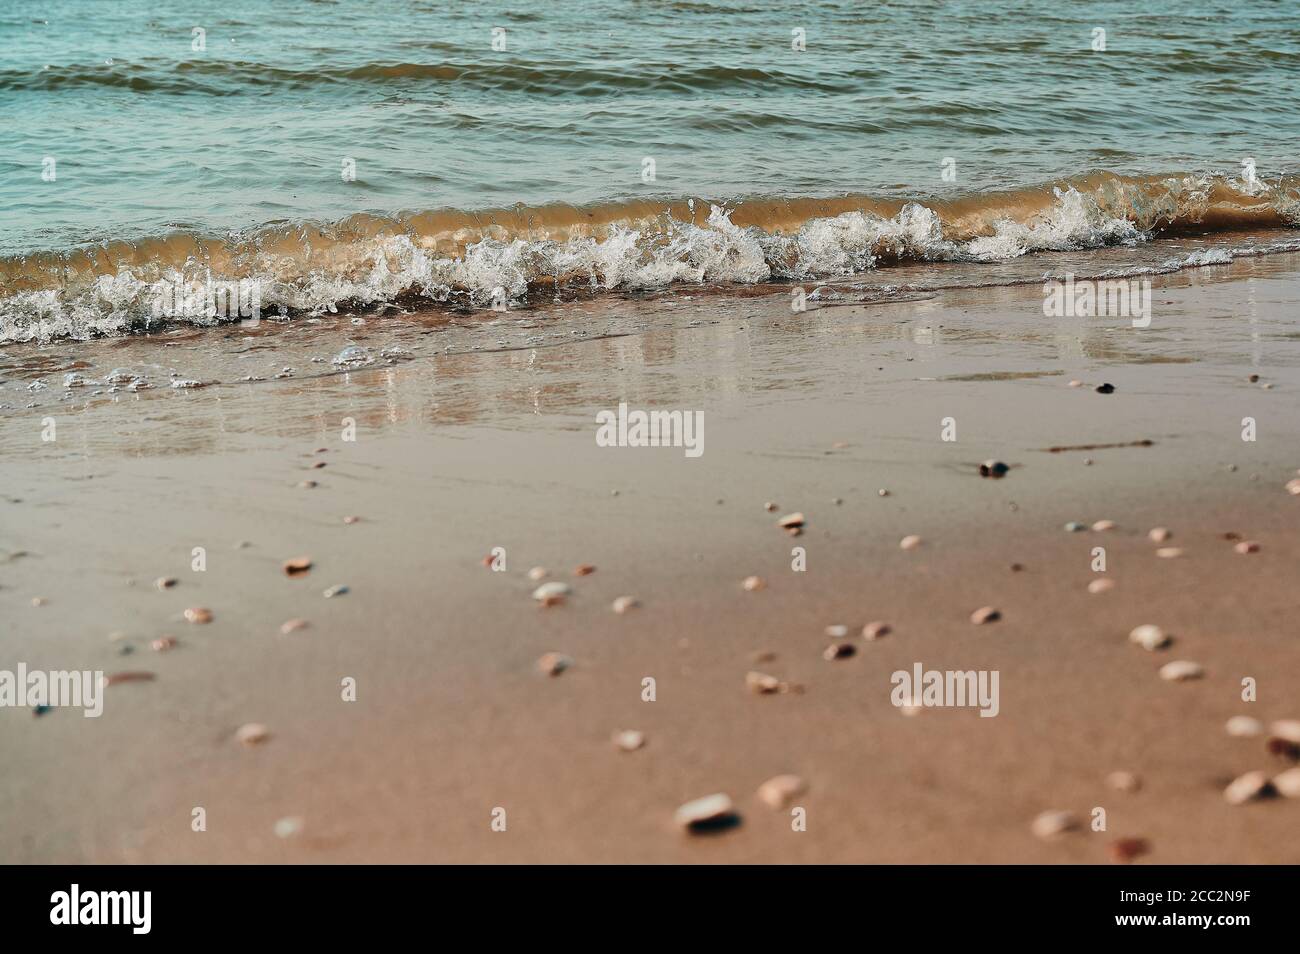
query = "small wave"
x=482 y=260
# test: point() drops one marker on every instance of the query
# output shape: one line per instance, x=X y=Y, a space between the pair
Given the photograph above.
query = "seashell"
x=198 y=614
x=1243 y=726
x=1159 y=534
x=780 y=790
x=910 y=542
x=584 y=569
x=163 y=643
x=1101 y=526
x=876 y=630
x=837 y=631
x=1287 y=784
x=287 y=827
x=993 y=468
x=762 y=683
x=624 y=604
x=1150 y=637
x=1247 y=546
x=1123 y=781
x=555 y=590
x=165 y=582
x=629 y=740
x=753 y=583
x=791 y=521
x=838 y=651
x=1180 y=670
x=538 y=573
x=338 y=589
x=297 y=566
x=1245 y=788
x=1293 y=486
x=552 y=664
x=1169 y=553
x=254 y=733
x=703 y=814
x=293 y=625
x=351 y=519
x=985 y=614
x=1288 y=729
x=1074 y=526
x=769 y=507
x=1102 y=584
x=1053 y=823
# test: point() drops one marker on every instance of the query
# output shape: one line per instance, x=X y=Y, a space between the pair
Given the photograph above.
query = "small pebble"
x=292 y=626
x=762 y=683
x=910 y=542
x=792 y=521
x=769 y=507
x=876 y=630
x=1243 y=726
x=1253 y=379
x=1105 y=389
x=629 y=740
x=538 y=573
x=1123 y=782
x=1287 y=784
x=198 y=614
x=338 y=589
x=985 y=614
x=705 y=814
x=1159 y=535
x=287 y=827
x=1245 y=788
x=993 y=468
x=1102 y=584
x=1124 y=850
x=165 y=582
x=1180 y=670
x=1169 y=553
x=39 y=601
x=753 y=583
x=625 y=603
x=1283 y=748
x=163 y=643
x=838 y=651
x=882 y=492
x=584 y=569
x=351 y=519
x=552 y=664
x=551 y=593
x=254 y=733
x=1053 y=823
x=1247 y=546
x=1076 y=383
x=297 y=566
x=1017 y=568
x=780 y=790
x=1150 y=637
x=1075 y=526
x=307 y=484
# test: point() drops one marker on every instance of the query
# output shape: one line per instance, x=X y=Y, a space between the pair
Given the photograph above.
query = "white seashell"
x=1123 y=781
x=552 y=664
x=253 y=733
x=910 y=542
x=712 y=809
x=1102 y=584
x=629 y=740
x=550 y=591
x=837 y=631
x=1150 y=637
x=985 y=614
x=538 y=573
x=1159 y=535
x=1180 y=670
x=1243 y=726
x=1287 y=784
x=781 y=790
x=761 y=682
x=625 y=603
x=1246 y=787
x=753 y=583
x=1169 y=553
x=1053 y=823
x=1288 y=729
x=876 y=630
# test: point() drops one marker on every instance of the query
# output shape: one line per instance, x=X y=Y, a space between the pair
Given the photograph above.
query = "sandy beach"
x=460 y=451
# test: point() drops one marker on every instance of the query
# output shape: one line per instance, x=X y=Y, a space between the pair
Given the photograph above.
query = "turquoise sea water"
x=124 y=124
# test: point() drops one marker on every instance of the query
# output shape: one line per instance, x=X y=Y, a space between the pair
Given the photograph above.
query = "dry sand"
x=457 y=454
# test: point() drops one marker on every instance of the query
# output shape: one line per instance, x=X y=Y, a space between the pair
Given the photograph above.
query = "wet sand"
x=459 y=453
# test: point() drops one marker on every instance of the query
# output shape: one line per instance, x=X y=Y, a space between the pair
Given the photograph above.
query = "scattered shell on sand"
x=538 y=573
x=1101 y=526
x=1243 y=726
x=882 y=492
x=1288 y=729
x=629 y=740
x=1245 y=788
x=702 y=814
x=1180 y=670
x=288 y=827
x=1076 y=383
x=876 y=630
x=254 y=733
x=993 y=468
x=1103 y=584
x=1169 y=553
x=1293 y=486
x=552 y=664
x=780 y=790
x=839 y=651
x=1123 y=782
x=307 y=484
x=1053 y=823
x=39 y=601
x=1150 y=637
x=837 y=631
x=1247 y=546
x=769 y=507
x=198 y=614
x=625 y=604
x=584 y=569
x=762 y=683
x=910 y=542
x=985 y=614
x=1287 y=784
x=351 y=519
x=1074 y=526
x=548 y=594
x=297 y=566
x=1159 y=534
x=338 y=589
x=163 y=643
x=1124 y=850
x=753 y=583
x=791 y=520
x=165 y=582
x=293 y=625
